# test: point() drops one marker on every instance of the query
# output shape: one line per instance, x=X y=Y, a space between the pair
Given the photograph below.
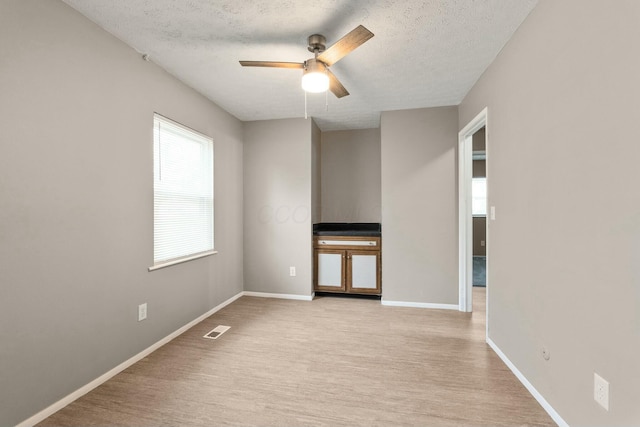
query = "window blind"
x=182 y=192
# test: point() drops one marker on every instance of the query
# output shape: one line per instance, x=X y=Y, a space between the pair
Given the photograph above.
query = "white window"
x=182 y=193
x=479 y=196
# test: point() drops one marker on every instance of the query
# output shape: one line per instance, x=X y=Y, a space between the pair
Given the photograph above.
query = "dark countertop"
x=368 y=229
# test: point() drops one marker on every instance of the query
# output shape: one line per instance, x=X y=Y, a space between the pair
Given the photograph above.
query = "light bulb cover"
x=315 y=82
x=315 y=78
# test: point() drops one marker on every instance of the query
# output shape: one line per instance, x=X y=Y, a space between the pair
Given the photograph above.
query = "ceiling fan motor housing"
x=314 y=66
x=317 y=43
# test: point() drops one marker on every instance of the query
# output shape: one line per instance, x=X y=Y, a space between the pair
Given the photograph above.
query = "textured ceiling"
x=425 y=53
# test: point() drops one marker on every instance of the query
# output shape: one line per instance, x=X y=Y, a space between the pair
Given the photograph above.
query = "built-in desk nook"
x=347 y=258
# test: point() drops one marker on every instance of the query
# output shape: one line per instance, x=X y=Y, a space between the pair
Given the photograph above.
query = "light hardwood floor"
x=333 y=361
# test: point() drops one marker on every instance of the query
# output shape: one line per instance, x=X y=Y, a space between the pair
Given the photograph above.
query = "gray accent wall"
x=351 y=176
x=277 y=206
x=564 y=273
x=419 y=205
x=479 y=140
x=76 y=205
x=479 y=224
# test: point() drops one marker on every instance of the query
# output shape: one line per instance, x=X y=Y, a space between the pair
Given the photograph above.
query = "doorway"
x=479 y=208
x=466 y=209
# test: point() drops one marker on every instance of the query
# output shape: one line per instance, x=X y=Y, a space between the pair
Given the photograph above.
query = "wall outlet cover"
x=142 y=312
x=601 y=391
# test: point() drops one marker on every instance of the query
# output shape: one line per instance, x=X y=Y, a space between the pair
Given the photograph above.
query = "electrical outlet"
x=142 y=312
x=601 y=391
x=482 y=243
x=292 y=271
x=492 y=213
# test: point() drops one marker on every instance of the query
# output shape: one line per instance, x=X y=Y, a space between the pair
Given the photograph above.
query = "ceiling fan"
x=316 y=75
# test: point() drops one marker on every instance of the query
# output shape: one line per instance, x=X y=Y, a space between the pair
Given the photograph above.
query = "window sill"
x=181 y=260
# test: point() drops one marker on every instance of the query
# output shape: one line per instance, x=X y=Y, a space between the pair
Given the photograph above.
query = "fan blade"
x=335 y=86
x=345 y=45
x=272 y=64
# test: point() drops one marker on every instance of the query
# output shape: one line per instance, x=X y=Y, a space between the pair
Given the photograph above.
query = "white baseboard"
x=280 y=296
x=525 y=382
x=55 y=407
x=420 y=305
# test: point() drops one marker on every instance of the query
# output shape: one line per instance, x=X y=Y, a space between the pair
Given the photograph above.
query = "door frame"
x=465 y=220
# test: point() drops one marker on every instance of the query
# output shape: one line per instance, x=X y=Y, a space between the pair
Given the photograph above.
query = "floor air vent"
x=216 y=332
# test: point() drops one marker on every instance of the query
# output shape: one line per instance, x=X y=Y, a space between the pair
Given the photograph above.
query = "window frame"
x=195 y=137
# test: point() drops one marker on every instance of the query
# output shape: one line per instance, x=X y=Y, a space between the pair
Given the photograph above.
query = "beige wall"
x=351 y=176
x=562 y=101
x=419 y=205
x=277 y=206
x=316 y=177
x=76 y=205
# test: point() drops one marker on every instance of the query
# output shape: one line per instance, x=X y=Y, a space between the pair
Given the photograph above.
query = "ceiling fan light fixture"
x=315 y=78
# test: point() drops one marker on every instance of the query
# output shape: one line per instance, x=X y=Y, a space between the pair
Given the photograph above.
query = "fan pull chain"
x=305 y=104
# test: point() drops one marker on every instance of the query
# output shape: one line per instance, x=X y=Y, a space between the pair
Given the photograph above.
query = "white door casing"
x=465 y=223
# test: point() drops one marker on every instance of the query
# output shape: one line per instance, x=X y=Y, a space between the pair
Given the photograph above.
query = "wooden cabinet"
x=345 y=264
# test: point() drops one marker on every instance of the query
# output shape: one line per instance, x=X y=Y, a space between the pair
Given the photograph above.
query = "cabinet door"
x=329 y=271
x=363 y=274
